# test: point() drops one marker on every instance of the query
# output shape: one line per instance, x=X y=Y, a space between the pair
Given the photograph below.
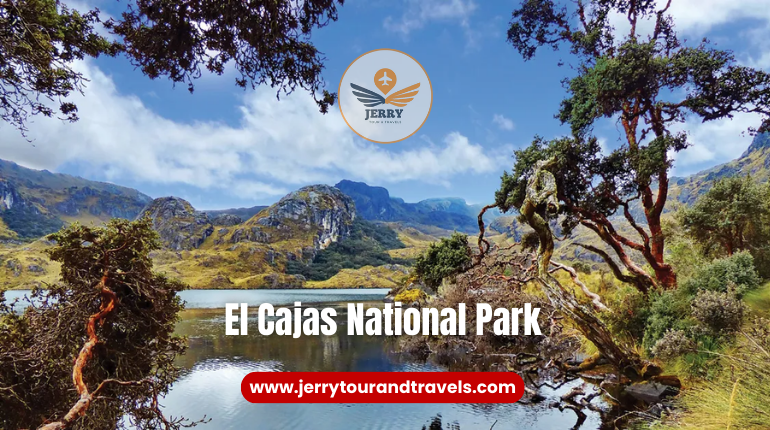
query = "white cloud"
x=714 y=142
x=697 y=17
x=503 y=122
x=275 y=146
x=419 y=12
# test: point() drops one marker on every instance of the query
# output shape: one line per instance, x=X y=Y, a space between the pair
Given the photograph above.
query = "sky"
x=223 y=146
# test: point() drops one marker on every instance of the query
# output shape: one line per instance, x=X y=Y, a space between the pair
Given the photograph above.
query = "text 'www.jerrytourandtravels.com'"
x=382 y=387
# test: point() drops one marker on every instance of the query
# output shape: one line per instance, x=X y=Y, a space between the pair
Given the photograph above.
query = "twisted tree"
x=539 y=202
x=96 y=350
x=649 y=82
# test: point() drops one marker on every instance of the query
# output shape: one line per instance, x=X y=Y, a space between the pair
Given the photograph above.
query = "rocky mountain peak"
x=321 y=207
x=179 y=225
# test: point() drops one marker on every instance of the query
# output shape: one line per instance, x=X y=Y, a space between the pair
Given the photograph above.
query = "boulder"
x=650 y=391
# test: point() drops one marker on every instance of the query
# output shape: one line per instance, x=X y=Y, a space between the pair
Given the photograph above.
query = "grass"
x=365 y=277
x=15 y=264
x=759 y=300
x=738 y=397
x=5 y=232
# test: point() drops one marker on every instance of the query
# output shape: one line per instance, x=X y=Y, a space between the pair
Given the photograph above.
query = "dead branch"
x=595 y=299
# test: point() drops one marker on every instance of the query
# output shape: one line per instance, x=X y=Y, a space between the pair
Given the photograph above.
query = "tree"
x=649 y=83
x=107 y=326
x=734 y=215
x=266 y=41
x=442 y=259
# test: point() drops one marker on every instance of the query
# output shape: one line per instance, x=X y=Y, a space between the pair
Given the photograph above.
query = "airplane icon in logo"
x=385 y=79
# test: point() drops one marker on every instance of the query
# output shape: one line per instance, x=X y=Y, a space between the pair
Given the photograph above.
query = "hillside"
x=304 y=230
x=34 y=203
x=283 y=245
x=755 y=162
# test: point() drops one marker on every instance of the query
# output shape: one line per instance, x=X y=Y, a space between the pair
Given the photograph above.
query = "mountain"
x=241 y=213
x=222 y=251
x=34 y=203
x=217 y=252
x=755 y=161
x=376 y=204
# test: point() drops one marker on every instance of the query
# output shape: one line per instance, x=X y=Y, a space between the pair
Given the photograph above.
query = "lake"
x=215 y=364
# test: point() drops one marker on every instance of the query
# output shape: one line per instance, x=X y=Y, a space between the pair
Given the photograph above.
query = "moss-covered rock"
x=179 y=225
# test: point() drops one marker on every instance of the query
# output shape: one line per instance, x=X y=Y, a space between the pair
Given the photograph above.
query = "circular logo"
x=385 y=96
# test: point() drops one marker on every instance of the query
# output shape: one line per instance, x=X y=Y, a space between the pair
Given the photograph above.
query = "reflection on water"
x=215 y=364
x=198 y=299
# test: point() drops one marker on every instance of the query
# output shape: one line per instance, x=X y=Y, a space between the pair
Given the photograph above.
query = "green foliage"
x=691 y=306
x=582 y=267
x=669 y=310
x=268 y=42
x=366 y=246
x=39 y=41
x=734 y=215
x=446 y=258
x=135 y=340
x=650 y=84
x=735 y=273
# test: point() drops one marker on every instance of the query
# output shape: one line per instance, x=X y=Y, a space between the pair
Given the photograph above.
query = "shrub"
x=737 y=270
x=29 y=223
x=673 y=344
x=446 y=258
x=669 y=310
x=582 y=267
x=720 y=313
x=410 y=296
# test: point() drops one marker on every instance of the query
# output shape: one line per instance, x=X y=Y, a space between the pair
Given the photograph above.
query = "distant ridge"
x=34 y=203
x=375 y=204
x=755 y=161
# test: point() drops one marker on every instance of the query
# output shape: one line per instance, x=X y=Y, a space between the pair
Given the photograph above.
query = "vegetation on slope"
x=366 y=246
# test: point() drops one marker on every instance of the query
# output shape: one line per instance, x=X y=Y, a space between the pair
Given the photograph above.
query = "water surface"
x=215 y=364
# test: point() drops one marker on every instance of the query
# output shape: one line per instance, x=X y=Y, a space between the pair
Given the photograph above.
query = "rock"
x=34 y=268
x=14 y=266
x=226 y=220
x=179 y=225
x=9 y=196
x=670 y=380
x=320 y=210
x=220 y=281
x=650 y=392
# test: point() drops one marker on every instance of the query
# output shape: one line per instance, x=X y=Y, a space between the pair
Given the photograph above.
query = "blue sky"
x=224 y=147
